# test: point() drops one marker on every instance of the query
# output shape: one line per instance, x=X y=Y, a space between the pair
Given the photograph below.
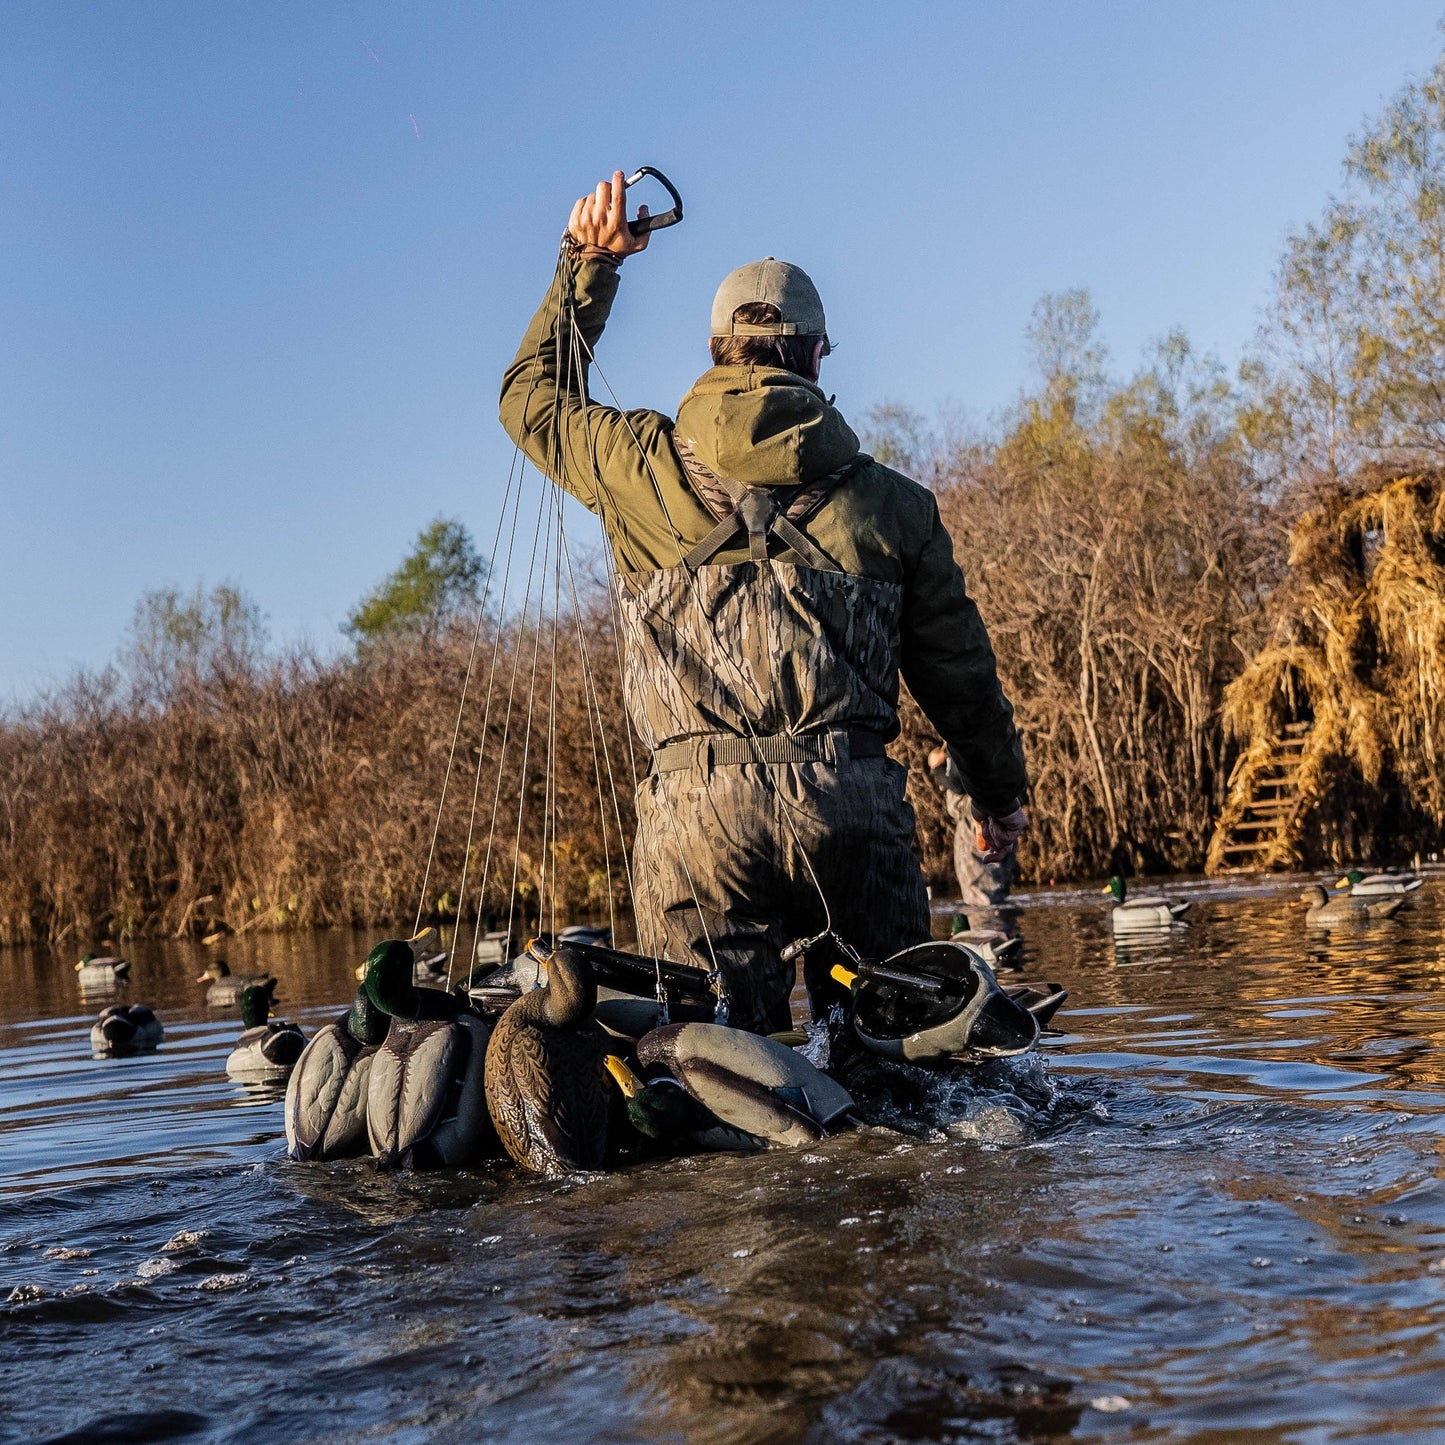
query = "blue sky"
x=262 y=265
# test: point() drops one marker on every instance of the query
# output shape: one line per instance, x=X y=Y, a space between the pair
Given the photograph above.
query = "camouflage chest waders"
x=763 y=689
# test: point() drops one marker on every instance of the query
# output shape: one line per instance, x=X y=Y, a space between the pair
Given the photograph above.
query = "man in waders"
x=773 y=583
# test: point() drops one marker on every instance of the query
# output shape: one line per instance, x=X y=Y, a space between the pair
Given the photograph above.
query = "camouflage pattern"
x=721 y=868
x=725 y=650
x=983 y=887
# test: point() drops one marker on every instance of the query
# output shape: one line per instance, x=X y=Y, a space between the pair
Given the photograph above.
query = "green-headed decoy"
x=268 y=1048
x=226 y=987
x=1132 y=915
x=326 y=1094
x=1379 y=885
x=425 y=1100
x=102 y=973
x=1344 y=909
x=126 y=1028
x=546 y=1082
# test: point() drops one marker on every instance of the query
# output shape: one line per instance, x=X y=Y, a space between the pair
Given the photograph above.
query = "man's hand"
x=996 y=838
x=600 y=220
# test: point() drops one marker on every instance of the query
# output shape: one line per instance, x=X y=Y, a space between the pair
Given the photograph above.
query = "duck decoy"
x=268 y=1048
x=996 y=948
x=428 y=967
x=1344 y=909
x=125 y=1028
x=1153 y=911
x=103 y=972
x=664 y=1113
x=754 y=1084
x=585 y=933
x=425 y=1099
x=546 y=1084
x=326 y=1094
x=1379 y=885
x=226 y=987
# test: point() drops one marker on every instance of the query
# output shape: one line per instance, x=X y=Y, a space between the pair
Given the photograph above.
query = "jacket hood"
x=763 y=426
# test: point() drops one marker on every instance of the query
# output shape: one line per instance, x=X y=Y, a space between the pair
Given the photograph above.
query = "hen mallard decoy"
x=1153 y=911
x=268 y=1048
x=996 y=948
x=125 y=1028
x=546 y=1082
x=226 y=987
x=103 y=972
x=326 y=1094
x=1379 y=885
x=1344 y=909
x=425 y=1100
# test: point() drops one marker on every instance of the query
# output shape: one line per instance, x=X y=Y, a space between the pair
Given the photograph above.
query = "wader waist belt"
x=725 y=750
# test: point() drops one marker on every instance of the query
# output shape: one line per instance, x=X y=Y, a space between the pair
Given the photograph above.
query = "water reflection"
x=1215 y=1211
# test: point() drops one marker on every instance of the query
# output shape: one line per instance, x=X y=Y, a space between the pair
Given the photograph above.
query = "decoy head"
x=1351 y=878
x=255 y=1006
x=389 y=983
x=960 y=924
x=366 y=1023
x=215 y=971
x=1118 y=888
x=1314 y=897
x=659 y=1110
x=84 y=959
x=570 y=998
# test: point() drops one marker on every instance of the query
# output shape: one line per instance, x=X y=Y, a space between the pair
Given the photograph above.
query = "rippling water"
x=1213 y=1211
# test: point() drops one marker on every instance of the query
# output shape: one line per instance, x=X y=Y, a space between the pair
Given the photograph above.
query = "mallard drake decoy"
x=996 y=948
x=1379 y=885
x=1153 y=911
x=268 y=1048
x=427 y=968
x=754 y=1084
x=125 y=1028
x=326 y=1094
x=226 y=987
x=546 y=1084
x=425 y=1100
x=1344 y=909
x=102 y=972
x=662 y=1111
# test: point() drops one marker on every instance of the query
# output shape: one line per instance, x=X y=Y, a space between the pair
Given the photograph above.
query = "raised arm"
x=545 y=405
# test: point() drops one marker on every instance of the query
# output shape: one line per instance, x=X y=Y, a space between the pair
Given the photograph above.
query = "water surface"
x=1213 y=1211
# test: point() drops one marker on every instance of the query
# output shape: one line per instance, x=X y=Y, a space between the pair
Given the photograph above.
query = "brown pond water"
x=1213 y=1211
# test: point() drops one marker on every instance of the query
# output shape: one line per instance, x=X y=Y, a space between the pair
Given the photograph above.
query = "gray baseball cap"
x=787 y=287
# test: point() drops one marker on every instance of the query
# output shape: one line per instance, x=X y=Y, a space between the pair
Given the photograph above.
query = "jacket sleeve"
x=545 y=405
x=949 y=666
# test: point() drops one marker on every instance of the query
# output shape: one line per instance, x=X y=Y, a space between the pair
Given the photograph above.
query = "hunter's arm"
x=545 y=406
x=949 y=666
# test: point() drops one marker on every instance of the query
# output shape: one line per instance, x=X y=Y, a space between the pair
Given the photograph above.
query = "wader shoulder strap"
x=760 y=511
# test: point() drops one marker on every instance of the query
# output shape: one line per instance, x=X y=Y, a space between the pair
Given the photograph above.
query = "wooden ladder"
x=1264 y=826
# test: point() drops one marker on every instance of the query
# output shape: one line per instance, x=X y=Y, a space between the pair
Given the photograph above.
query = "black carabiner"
x=668 y=218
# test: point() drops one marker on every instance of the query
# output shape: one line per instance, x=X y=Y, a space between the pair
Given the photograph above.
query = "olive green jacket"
x=765 y=426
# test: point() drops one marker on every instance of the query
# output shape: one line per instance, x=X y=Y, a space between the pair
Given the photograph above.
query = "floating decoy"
x=102 y=972
x=1380 y=885
x=996 y=948
x=1150 y=912
x=268 y=1048
x=125 y=1028
x=546 y=1084
x=584 y=933
x=427 y=968
x=425 y=1099
x=1344 y=909
x=226 y=987
x=756 y=1085
x=327 y=1092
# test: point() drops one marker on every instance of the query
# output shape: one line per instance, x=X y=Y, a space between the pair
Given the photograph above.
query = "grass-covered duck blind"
x=1351 y=677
